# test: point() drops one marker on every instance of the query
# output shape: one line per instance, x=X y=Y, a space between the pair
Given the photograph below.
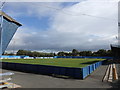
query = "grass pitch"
x=62 y=62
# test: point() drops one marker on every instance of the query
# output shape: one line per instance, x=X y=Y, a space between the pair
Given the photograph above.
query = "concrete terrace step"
x=111 y=74
x=106 y=74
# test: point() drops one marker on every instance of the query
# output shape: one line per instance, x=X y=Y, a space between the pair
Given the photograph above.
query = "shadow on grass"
x=89 y=62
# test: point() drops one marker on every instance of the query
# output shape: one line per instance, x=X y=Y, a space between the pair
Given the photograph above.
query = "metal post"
x=2 y=5
x=1 y=30
x=118 y=23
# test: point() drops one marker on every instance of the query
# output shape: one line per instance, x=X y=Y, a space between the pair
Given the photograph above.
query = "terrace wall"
x=80 y=73
x=22 y=57
x=83 y=57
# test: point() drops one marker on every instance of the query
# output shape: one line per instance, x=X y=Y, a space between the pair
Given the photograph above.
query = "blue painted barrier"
x=83 y=57
x=11 y=66
x=94 y=67
x=50 y=69
x=62 y=71
x=85 y=72
x=3 y=64
x=69 y=72
x=78 y=73
x=45 y=69
x=35 y=69
x=42 y=69
x=90 y=69
x=56 y=70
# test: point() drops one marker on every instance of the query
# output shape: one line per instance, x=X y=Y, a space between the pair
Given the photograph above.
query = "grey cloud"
x=73 y=31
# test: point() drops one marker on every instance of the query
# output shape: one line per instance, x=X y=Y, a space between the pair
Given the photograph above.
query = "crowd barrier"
x=89 y=69
x=13 y=57
x=27 y=57
x=50 y=70
x=23 y=57
x=83 y=57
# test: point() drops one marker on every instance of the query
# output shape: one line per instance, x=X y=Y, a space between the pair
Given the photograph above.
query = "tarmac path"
x=28 y=80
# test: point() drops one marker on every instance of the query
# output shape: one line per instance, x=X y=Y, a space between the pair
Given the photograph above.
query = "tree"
x=109 y=53
x=101 y=52
x=88 y=53
x=21 y=52
x=11 y=54
x=35 y=54
x=75 y=52
x=5 y=53
x=61 y=54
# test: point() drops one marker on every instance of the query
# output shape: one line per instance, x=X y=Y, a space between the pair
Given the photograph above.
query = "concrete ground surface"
x=28 y=80
x=116 y=84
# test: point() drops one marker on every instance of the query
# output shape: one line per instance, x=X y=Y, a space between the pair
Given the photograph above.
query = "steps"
x=110 y=74
x=4 y=80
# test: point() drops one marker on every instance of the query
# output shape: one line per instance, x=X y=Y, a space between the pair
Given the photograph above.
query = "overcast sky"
x=63 y=26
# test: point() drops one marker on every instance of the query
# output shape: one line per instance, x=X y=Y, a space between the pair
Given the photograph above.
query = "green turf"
x=63 y=62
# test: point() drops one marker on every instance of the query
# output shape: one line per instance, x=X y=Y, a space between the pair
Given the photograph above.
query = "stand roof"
x=9 y=18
